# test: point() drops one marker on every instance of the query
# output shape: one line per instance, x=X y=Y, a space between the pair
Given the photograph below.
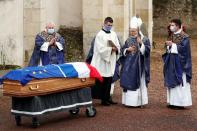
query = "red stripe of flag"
x=94 y=73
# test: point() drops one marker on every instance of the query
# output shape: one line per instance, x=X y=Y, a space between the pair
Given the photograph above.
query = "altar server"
x=106 y=52
x=178 y=67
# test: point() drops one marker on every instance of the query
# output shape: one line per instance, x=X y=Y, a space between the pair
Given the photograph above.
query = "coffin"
x=44 y=86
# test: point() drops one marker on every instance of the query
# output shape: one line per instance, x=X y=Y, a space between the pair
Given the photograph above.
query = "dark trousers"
x=101 y=90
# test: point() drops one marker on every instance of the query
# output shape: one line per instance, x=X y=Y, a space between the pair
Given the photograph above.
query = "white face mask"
x=172 y=28
x=51 y=31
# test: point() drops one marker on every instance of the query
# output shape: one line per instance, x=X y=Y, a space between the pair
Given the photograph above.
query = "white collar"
x=178 y=32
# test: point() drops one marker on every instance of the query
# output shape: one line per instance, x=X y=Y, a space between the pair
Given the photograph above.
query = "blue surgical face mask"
x=107 y=28
x=51 y=31
x=173 y=28
x=133 y=36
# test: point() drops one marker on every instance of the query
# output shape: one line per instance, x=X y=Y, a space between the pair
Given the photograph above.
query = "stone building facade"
x=23 y=19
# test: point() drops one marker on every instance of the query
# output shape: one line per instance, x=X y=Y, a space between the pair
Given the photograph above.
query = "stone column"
x=50 y=12
x=32 y=20
x=145 y=12
x=70 y=13
x=94 y=13
x=11 y=34
x=116 y=11
x=92 y=17
x=128 y=13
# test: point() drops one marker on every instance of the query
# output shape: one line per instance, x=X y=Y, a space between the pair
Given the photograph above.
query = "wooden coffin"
x=44 y=86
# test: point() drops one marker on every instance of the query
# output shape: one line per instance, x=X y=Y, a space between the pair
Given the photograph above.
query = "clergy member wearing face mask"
x=106 y=52
x=177 y=67
x=135 y=74
x=49 y=47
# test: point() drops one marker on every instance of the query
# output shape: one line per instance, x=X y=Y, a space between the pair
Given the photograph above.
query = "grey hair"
x=50 y=23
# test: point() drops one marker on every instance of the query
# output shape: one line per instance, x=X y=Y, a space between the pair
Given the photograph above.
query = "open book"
x=111 y=44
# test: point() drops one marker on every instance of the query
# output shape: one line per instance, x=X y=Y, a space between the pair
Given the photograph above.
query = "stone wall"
x=70 y=13
x=11 y=34
x=145 y=10
x=31 y=16
x=94 y=13
x=165 y=10
x=32 y=20
x=36 y=14
x=39 y=12
x=92 y=21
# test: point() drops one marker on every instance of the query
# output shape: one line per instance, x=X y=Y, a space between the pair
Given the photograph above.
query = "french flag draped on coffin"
x=66 y=70
x=37 y=104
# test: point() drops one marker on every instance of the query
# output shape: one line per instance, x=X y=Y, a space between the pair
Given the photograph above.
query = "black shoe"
x=133 y=107
x=176 y=107
x=112 y=102
x=105 y=103
x=170 y=106
x=179 y=107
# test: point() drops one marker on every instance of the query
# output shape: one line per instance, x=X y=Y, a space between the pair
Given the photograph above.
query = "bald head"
x=133 y=32
x=50 y=27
